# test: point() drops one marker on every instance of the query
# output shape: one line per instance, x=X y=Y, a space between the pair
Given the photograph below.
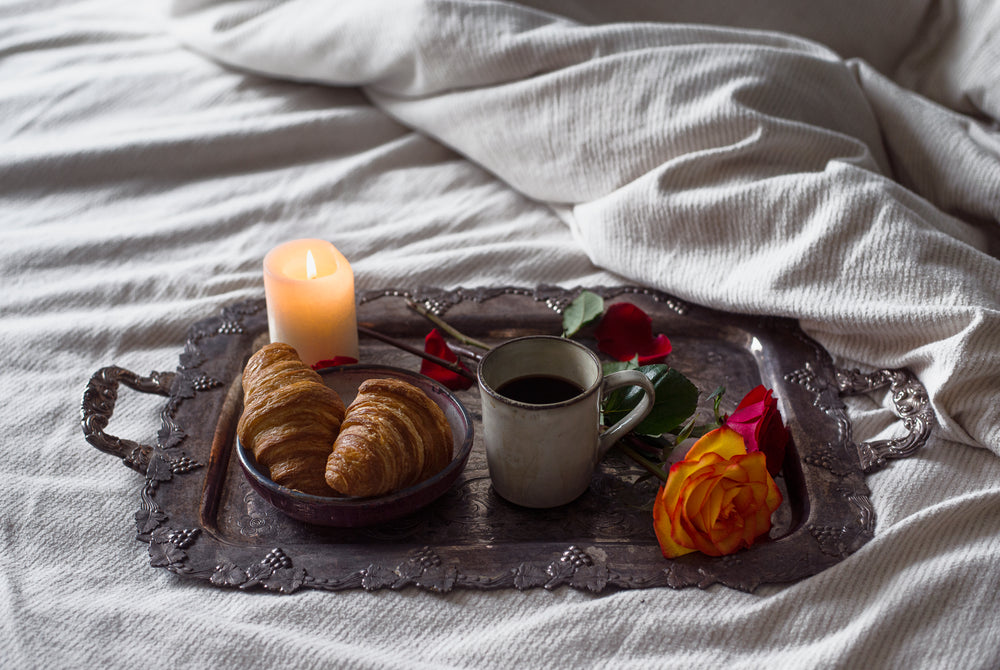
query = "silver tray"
x=201 y=519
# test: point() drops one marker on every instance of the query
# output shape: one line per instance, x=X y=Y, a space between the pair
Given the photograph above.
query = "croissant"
x=393 y=436
x=290 y=418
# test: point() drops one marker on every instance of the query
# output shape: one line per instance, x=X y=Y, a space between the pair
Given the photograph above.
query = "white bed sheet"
x=141 y=185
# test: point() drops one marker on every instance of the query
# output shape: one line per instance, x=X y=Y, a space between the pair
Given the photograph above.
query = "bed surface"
x=741 y=156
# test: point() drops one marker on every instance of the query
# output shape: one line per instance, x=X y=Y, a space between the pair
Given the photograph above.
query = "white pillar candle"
x=309 y=288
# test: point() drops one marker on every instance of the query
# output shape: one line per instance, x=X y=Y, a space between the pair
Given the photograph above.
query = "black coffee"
x=539 y=389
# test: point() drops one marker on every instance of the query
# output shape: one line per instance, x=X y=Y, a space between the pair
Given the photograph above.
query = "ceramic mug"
x=541 y=402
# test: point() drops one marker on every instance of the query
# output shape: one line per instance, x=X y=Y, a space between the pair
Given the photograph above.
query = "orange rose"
x=717 y=500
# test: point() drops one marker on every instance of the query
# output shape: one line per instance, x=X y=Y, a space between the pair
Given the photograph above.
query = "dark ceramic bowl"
x=351 y=512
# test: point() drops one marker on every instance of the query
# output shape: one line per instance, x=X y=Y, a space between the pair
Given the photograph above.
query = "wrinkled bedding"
x=839 y=166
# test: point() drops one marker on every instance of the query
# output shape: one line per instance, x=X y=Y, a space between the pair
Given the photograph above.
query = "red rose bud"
x=758 y=422
x=435 y=345
x=626 y=332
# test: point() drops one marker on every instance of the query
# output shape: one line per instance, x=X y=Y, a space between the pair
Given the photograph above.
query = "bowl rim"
x=249 y=463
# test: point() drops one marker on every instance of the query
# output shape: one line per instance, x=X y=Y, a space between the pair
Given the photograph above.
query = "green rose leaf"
x=585 y=308
x=676 y=400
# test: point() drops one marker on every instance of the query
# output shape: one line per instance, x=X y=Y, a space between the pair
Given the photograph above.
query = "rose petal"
x=772 y=436
x=655 y=351
x=435 y=345
x=726 y=532
x=626 y=331
x=752 y=467
x=334 y=362
x=724 y=442
x=765 y=491
x=678 y=527
x=758 y=421
x=663 y=528
x=713 y=503
x=698 y=502
x=695 y=520
x=748 y=415
x=758 y=394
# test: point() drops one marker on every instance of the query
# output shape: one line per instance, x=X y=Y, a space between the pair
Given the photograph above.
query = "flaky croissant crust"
x=290 y=418
x=392 y=436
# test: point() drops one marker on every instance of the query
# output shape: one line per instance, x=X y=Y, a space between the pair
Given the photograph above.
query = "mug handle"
x=633 y=418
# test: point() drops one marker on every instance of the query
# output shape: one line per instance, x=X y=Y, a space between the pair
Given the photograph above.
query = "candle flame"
x=310 y=265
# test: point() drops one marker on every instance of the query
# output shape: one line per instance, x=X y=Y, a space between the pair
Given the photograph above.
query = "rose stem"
x=454 y=367
x=465 y=351
x=644 y=462
x=440 y=323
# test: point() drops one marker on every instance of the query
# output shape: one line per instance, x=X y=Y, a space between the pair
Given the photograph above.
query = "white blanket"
x=854 y=186
x=746 y=170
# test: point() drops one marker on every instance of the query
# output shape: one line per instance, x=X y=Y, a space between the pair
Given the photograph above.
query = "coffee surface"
x=539 y=389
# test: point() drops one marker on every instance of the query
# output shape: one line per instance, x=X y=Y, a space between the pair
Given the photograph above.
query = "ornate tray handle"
x=99 y=404
x=909 y=398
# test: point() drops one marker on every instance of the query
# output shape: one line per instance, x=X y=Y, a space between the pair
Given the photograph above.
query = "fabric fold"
x=746 y=170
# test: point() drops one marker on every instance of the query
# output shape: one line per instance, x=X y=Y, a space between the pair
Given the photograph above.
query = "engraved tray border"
x=179 y=511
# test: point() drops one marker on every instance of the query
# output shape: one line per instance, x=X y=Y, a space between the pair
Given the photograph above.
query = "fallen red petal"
x=334 y=362
x=435 y=345
x=626 y=332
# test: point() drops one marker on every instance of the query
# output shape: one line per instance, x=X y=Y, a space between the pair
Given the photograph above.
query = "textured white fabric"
x=679 y=149
x=141 y=185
